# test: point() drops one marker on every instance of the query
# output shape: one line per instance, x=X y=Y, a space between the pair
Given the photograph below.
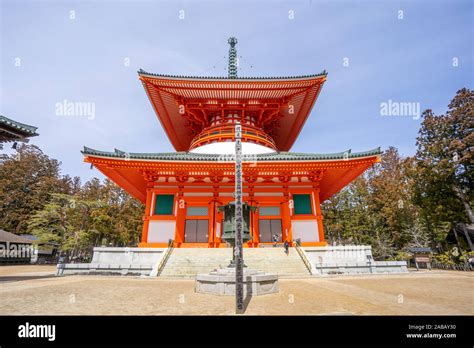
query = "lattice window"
x=302 y=204
x=197 y=211
x=164 y=204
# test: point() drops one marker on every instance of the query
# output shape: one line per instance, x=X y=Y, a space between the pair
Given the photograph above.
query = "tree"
x=414 y=201
x=65 y=220
x=346 y=216
x=442 y=172
x=390 y=197
x=27 y=178
x=460 y=118
x=375 y=208
x=97 y=214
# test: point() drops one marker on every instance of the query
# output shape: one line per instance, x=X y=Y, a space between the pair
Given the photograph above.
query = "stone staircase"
x=187 y=262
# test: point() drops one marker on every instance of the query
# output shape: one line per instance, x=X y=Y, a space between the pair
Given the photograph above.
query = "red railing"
x=224 y=133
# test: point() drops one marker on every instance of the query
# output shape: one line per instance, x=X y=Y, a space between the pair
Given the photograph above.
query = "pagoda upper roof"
x=200 y=157
x=168 y=92
x=11 y=130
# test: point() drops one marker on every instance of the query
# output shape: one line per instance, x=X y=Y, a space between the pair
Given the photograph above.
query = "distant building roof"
x=34 y=239
x=29 y=236
x=11 y=130
x=13 y=238
x=419 y=250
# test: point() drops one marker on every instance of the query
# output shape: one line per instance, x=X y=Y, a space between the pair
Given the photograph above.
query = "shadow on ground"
x=21 y=278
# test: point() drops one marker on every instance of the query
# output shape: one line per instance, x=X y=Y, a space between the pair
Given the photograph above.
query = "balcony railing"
x=227 y=133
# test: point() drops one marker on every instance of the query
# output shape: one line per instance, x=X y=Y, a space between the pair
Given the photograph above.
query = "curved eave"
x=126 y=169
x=20 y=129
x=144 y=73
x=164 y=92
x=216 y=158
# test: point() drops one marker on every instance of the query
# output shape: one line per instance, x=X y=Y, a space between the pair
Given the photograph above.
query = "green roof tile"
x=143 y=72
x=30 y=130
x=196 y=157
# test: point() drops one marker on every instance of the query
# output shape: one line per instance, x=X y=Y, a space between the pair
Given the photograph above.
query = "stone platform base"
x=116 y=261
x=222 y=282
x=350 y=259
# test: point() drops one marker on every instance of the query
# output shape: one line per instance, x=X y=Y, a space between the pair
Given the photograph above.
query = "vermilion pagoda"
x=182 y=190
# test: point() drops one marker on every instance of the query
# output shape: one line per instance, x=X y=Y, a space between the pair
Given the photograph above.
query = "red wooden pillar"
x=218 y=220
x=286 y=220
x=255 y=226
x=286 y=216
x=146 y=216
x=319 y=215
x=180 y=218
x=212 y=223
x=251 y=203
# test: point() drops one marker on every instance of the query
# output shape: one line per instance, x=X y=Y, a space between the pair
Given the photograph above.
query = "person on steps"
x=275 y=240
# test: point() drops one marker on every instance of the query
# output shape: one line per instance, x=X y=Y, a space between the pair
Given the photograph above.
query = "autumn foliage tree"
x=35 y=198
x=413 y=201
x=27 y=178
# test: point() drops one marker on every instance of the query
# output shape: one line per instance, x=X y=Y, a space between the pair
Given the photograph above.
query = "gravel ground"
x=33 y=290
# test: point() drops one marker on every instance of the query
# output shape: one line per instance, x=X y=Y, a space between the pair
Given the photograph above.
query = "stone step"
x=189 y=262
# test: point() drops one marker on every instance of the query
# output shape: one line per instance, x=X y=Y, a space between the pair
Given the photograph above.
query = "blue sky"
x=48 y=57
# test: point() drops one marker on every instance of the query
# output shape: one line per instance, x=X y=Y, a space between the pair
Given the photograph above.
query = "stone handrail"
x=303 y=256
x=165 y=257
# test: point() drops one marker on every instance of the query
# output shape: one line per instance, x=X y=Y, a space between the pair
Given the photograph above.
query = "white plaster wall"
x=160 y=231
x=228 y=147
x=306 y=230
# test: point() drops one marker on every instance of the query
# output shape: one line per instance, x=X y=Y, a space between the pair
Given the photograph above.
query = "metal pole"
x=239 y=275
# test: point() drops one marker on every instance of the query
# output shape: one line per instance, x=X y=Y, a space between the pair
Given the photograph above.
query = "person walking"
x=287 y=247
x=275 y=240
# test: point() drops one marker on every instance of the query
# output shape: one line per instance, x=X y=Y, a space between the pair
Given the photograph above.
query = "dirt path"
x=26 y=270
x=22 y=291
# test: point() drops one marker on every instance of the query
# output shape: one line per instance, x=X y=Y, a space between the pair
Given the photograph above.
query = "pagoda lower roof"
x=135 y=172
x=200 y=157
x=11 y=130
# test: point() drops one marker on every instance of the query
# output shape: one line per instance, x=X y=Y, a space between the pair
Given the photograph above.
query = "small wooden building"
x=421 y=257
x=14 y=249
